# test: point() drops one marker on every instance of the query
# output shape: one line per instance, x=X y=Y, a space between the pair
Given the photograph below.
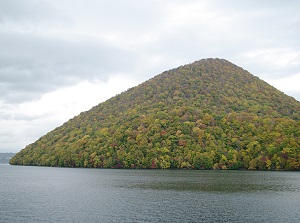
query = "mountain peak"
x=210 y=114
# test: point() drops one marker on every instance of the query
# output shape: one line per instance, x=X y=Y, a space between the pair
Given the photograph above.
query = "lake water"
x=43 y=194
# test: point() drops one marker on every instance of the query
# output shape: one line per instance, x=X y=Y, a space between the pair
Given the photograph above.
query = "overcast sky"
x=61 y=57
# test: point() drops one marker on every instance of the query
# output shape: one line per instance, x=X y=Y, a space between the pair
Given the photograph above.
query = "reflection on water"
x=39 y=194
x=214 y=181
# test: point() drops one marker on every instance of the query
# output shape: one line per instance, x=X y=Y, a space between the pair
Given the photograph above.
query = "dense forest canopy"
x=210 y=114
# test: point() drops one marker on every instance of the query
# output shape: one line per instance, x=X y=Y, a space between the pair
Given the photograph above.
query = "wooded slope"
x=210 y=114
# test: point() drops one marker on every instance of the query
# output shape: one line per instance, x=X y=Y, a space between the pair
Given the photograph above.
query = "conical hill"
x=210 y=114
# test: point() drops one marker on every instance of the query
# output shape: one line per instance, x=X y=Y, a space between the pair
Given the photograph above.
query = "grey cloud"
x=19 y=117
x=29 y=11
x=120 y=16
x=125 y=16
x=262 y=25
x=31 y=64
x=273 y=21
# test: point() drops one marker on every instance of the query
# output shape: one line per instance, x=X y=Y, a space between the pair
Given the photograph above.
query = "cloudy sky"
x=61 y=57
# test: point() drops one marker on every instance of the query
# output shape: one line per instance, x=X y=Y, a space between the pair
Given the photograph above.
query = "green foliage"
x=207 y=115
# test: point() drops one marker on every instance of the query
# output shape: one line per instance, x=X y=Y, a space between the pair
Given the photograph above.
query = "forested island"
x=210 y=114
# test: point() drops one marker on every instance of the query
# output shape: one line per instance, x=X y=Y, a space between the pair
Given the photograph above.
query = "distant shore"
x=5 y=157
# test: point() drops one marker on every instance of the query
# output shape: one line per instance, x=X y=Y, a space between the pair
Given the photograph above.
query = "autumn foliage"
x=210 y=114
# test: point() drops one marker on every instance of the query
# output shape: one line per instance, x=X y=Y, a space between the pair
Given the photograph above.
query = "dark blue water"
x=41 y=194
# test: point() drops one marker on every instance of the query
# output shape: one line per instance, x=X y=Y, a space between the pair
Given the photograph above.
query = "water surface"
x=43 y=194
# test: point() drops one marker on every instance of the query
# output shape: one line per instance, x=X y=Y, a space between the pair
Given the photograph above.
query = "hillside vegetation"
x=210 y=114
